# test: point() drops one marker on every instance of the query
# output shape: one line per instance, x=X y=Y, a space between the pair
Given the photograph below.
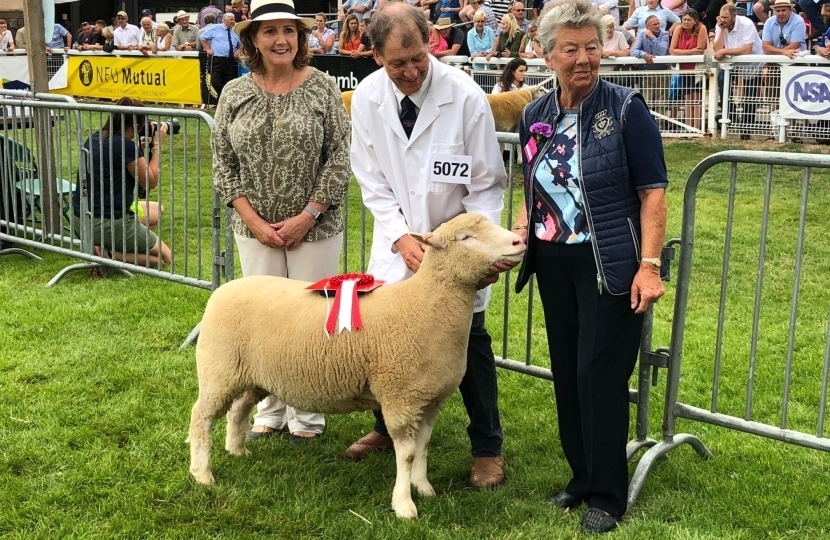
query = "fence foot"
x=636 y=445
x=657 y=451
x=192 y=337
x=18 y=251
x=82 y=266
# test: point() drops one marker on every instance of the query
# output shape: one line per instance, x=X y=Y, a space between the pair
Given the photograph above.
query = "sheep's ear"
x=428 y=239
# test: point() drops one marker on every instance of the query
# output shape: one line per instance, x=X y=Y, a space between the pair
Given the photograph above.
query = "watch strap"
x=652 y=260
x=316 y=214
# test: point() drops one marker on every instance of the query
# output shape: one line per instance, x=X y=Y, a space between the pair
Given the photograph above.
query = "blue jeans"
x=813 y=11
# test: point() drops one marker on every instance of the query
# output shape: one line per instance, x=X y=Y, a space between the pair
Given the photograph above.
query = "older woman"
x=594 y=219
x=530 y=45
x=163 y=38
x=281 y=160
x=510 y=39
x=614 y=45
x=480 y=38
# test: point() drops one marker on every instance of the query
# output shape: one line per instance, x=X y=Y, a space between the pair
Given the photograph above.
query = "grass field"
x=95 y=399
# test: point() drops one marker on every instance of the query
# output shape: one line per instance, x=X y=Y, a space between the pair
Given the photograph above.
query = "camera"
x=173 y=127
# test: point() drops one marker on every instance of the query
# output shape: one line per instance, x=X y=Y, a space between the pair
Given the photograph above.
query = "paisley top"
x=283 y=151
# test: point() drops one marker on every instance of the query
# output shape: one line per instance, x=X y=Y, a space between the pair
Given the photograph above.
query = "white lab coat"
x=394 y=172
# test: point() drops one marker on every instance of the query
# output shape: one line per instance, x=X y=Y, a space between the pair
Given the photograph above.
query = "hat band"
x=272 y=8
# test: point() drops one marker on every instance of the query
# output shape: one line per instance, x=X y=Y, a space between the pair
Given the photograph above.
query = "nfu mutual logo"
x=809 y=92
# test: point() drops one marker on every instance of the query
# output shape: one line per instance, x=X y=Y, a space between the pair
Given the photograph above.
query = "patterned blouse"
x=283 y=151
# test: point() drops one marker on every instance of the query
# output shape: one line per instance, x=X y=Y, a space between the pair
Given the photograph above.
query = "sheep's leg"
x=402 y=494
x=238 y=419
x=419 y=467
x=201 y=421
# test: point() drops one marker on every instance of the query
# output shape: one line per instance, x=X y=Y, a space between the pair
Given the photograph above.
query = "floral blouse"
x=283 y=151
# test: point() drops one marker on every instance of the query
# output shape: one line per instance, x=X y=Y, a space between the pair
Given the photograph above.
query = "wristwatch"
x=652 y=260
x=316 y=214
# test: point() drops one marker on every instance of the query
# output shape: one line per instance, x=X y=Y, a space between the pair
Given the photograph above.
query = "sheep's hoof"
x=203 y=477
x=405 y=510
x=425 y=490
x=241 y=451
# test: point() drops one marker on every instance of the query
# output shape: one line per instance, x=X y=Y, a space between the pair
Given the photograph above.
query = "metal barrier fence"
x=756 y=365
x=183 y=209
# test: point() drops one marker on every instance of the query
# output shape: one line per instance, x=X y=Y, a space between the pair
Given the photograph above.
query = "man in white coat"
x=408 y=121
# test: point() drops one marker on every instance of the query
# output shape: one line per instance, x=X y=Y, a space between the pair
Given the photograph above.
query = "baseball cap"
x=146 y=11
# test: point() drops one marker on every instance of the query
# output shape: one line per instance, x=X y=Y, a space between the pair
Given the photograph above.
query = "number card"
x=451 y=169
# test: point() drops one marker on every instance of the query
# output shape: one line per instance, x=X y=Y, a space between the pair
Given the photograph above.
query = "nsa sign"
x=805 y=92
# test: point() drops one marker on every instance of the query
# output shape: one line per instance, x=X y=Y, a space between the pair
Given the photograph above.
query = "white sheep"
x=264 y=335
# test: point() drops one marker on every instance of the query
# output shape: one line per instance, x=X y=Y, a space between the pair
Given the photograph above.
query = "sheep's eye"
x=461 y=236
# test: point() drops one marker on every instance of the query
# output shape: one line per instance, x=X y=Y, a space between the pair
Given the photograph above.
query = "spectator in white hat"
x=184 y=36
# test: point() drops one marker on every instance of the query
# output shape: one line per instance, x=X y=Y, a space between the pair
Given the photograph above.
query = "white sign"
x=451 y=168
x=805 y=92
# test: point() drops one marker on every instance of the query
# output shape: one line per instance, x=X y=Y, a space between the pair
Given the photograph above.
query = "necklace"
x=273 y=90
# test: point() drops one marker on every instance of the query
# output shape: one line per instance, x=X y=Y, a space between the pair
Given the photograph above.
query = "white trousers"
x=310 y=261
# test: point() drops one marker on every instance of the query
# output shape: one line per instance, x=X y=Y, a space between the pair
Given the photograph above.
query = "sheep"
x=507 y=107
x=264 y=335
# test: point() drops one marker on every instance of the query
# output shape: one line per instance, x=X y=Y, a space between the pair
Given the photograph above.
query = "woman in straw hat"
x=281 y=161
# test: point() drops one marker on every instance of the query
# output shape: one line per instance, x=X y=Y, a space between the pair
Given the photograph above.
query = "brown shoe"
x=372 y=442
x=487 y=472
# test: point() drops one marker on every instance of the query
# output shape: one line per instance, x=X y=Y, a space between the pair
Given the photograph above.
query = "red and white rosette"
x=345 y=313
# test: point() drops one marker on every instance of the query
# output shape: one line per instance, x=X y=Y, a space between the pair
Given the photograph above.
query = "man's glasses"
x=783 y=40
x=121 y=17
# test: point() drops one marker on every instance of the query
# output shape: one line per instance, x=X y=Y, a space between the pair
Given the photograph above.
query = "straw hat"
x=271 y=10
x=442 y=23
x=782 y=3
x=182 y=14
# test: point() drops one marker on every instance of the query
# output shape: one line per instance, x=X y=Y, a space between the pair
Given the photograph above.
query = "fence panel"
x=766 y=380
x=191 y=220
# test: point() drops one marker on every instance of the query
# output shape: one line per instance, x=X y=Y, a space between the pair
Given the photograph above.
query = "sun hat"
x=271 y=10
x=782 y=3
x=181 y=15
x=442 y=23
x=121 y=14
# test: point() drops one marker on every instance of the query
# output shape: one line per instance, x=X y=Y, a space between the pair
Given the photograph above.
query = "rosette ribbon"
x=345 y=313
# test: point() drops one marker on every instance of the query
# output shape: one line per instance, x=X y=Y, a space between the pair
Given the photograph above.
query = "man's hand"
x=719 y=55
x=209 y=52
x=649 y=58
x=649 y=34
x=412 y=252
x=646 y=289
x=495 y=270
x=789 y=53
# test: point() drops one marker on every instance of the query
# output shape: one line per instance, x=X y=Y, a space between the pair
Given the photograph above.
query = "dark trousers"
x=223 y=71
x=479 y=393
x=813 y=11
x=593 y=340
x=748 y=86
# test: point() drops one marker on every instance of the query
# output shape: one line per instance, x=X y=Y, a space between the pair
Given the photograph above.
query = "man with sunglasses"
x=785 y=33
x=127 y=36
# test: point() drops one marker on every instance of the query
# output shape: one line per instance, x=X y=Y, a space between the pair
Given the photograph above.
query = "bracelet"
x=517 y=227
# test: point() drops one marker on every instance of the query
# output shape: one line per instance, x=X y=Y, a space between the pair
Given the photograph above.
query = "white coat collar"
x=437 y=94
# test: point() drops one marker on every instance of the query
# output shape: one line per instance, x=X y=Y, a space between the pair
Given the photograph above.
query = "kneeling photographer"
x=117 y=168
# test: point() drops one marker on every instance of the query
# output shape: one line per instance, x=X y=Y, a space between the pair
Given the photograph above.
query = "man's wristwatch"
x=652 y=260
x=316 y=214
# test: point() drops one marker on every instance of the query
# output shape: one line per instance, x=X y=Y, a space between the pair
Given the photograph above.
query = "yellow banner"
x=156 y=79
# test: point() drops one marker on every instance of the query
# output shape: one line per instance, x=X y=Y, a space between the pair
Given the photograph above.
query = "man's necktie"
x=408 y=115
x=230 y=43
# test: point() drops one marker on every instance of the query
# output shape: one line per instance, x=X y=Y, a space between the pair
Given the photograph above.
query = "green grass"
x=95 y=399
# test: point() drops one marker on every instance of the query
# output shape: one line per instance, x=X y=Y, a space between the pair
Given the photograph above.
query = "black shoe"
x=564 y=500
x=598 y=522
x=296 y=440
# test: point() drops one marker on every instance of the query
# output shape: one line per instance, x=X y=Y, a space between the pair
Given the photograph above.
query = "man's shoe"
x=487 y=472
x=372 y=442
x=563 y=500
x=596 y=521
x=263 y=432
x=295 y=439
